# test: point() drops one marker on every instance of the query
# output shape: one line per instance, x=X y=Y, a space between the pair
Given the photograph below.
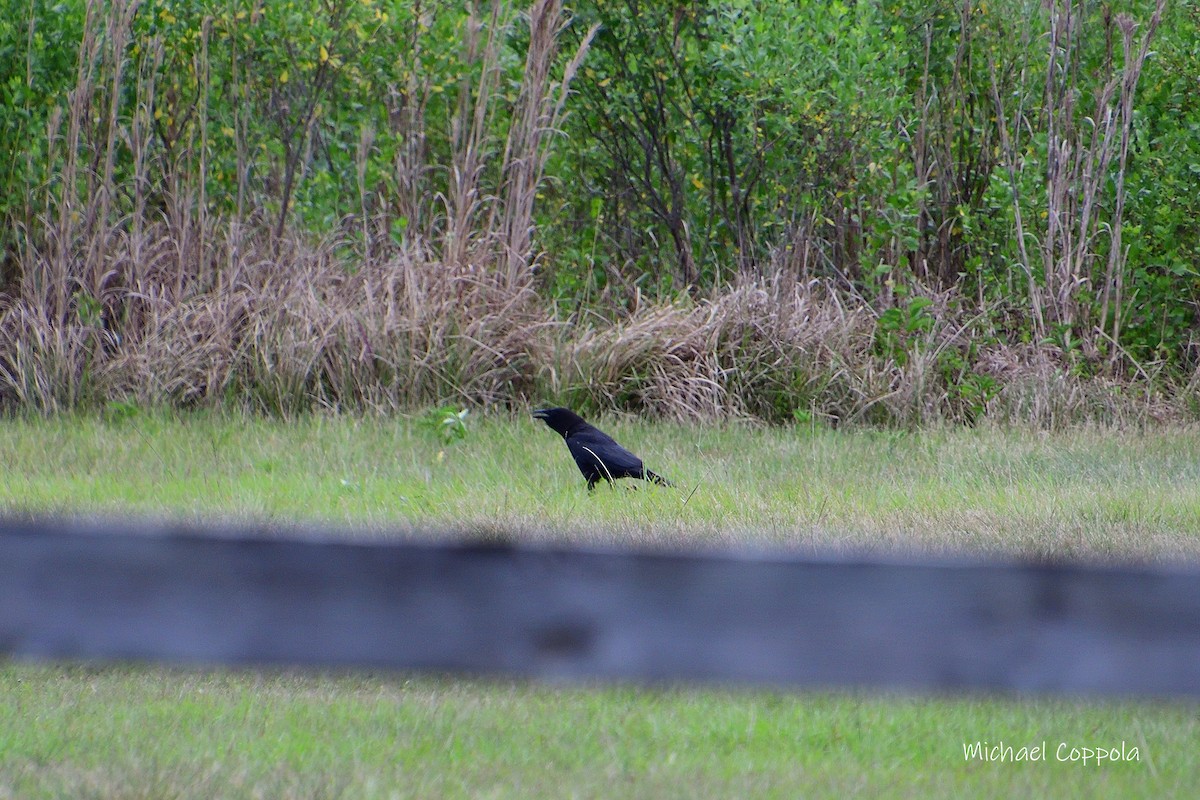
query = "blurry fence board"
x=110 y=591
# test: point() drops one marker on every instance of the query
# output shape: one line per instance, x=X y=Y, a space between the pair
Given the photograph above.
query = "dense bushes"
x=890 y=211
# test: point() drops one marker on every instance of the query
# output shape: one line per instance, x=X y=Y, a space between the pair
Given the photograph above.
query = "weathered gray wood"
x=110 y=591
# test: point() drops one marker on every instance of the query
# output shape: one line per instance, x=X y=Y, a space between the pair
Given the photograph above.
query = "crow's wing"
x=593 y=448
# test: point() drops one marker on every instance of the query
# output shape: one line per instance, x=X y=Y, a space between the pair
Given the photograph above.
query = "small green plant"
x=121 y=410
x=975 y=392
x=897 y=326
x=447 y=423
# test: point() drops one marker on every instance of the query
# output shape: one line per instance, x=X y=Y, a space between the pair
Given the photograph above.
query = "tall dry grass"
x=130 y=287
x=1087 y=151
x=288 y=327
x=279 y=326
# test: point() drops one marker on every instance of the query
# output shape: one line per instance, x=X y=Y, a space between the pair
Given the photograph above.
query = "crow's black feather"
x=595 y=452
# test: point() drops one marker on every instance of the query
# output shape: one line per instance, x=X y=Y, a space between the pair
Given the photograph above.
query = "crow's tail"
x=659 y=479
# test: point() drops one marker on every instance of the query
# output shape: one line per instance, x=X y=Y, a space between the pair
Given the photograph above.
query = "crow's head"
x=563 y=421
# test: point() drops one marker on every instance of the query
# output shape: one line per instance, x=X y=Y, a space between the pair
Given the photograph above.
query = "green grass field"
x=133 y=731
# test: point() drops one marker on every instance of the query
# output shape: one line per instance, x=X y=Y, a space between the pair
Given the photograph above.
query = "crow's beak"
x=541 y=413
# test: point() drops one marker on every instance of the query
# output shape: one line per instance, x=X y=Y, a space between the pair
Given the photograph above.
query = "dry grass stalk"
x=1085 y=152
x=538 y=113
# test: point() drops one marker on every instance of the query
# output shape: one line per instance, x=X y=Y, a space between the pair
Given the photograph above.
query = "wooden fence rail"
x=107 y=590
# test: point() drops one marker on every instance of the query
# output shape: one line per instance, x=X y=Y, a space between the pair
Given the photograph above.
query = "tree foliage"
x=1041 y=160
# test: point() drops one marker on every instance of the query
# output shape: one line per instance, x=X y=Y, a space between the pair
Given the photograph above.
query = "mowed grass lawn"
x=121 y=731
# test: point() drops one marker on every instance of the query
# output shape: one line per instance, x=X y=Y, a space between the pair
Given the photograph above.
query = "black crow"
x=597 y=455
